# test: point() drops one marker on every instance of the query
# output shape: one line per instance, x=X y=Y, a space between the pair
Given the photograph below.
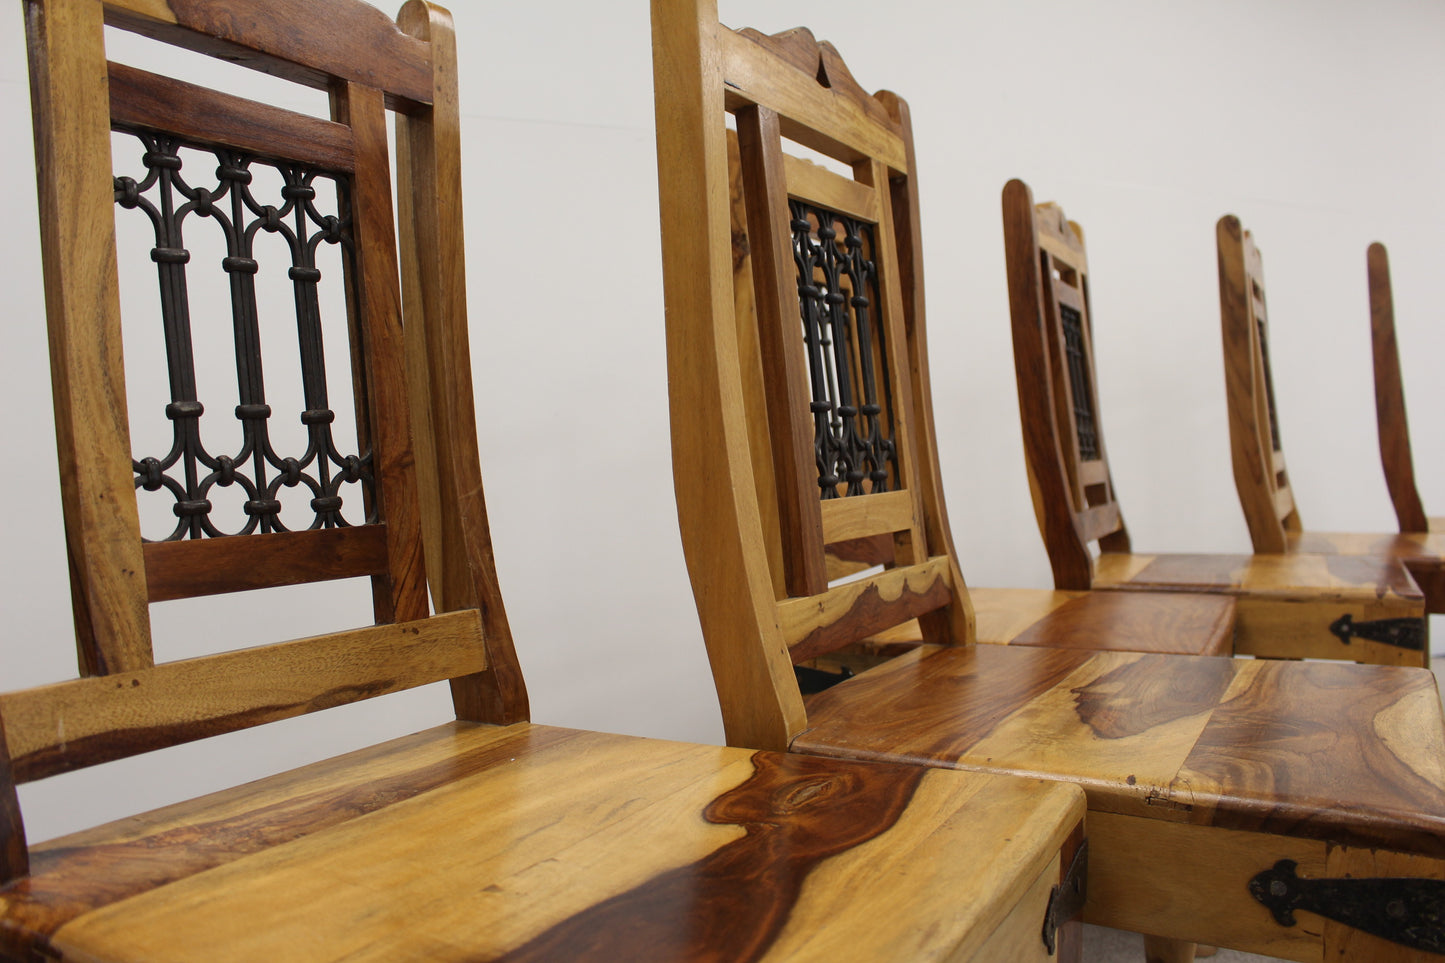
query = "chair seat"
x=1231 y=764
x=1423 y=553
x=469 y=842
x=1174 y=623
x=1290 y=606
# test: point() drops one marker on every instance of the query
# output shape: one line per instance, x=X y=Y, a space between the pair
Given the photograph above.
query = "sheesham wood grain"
x=384 y=405
x=1353 y=944
x=717 y=514
x=546 y=857
x=1390 y=416
x=14 y=857
x=1250 y=447
x=855 y=610
x=784 y=367
x=1209 y=741
x=845 y=126
x=82 y=301
x=955 y=624
x=461 y=567
x=146 y=100
x=186 y=569
x=69 y=725
x=370 y=51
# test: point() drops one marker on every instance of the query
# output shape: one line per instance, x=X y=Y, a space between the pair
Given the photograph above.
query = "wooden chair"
x=483 y=838
x=1205 y=776
x=1260 y=474
x=1289 y=606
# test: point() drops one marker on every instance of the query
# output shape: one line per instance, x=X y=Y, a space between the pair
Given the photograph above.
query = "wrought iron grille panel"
x=847 y=354
x=1080 y=391
x=1268 y=384
x=189 y=471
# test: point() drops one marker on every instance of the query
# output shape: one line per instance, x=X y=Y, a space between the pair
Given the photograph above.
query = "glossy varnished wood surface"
x=1169 y=622
x=1285 y=603
x=1344 y=753
x=529 y=843
x=1422 y=553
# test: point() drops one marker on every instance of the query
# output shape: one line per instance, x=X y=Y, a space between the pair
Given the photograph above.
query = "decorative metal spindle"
x=837 y=284
x=1268 y=384
x=257 y=467
x=1080 y=390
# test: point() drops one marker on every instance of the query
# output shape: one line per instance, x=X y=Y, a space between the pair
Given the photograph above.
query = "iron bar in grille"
x=1080 y=390
x=189 y=471
x=837 y=295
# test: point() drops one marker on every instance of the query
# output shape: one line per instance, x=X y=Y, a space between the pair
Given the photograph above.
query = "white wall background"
x=1318 y=123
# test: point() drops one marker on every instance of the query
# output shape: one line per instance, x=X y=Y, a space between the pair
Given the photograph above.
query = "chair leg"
x=1157 y=949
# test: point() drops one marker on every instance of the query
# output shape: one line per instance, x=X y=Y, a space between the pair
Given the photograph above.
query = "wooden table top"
x=1347 y=753
x=469 y=842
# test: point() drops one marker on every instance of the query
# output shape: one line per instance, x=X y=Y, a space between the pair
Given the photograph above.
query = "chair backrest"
x=1068 y=466
x=798 y=380
x=1260 y=476
x=1394 y=428
x=217 y=169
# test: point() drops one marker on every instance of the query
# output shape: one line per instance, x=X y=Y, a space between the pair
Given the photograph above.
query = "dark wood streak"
x=870 y=614
x=732 y=904
x=1133 y=698
x=931 y=706
x=1306 y=759
x=67 y=881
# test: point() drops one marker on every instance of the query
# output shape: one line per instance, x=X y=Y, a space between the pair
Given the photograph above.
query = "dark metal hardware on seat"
x=1066 y=900
x=1410 y=912
x=1401 y=633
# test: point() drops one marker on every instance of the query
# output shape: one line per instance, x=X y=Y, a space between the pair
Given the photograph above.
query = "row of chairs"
x=955 y=800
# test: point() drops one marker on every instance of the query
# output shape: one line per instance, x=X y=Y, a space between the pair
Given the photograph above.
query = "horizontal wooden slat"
x=1099 y=521
x=1067 y=255
x=835 y=125
x=862 y=516
x=818 y=185
x=308 y=43
x=1093 y=472
x=70 y=725
x=239 y=563
x=1069 y=296
x=1283 y=501
x=818 y=625
x=1277 y=461
x=143 y=99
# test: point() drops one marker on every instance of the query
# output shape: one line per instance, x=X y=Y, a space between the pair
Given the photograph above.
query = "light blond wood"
x=82 y=301
x=818 y=185
x=460 y=565
x=1017 y=937
x=895 y=588
x=602 y=816
x=714 y=490
x=58 y=727
x=867 y=515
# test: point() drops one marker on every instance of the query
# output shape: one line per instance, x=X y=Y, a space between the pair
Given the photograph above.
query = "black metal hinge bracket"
x=1066 y=900
x=1401 y=633
x=1410 y=912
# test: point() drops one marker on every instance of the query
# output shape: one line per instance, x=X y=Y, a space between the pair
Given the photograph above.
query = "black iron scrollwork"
x=837 y=294
x=1080 y=390
x=1408 y=633
x=1410 y=912
x=189 y=472
x=1268 y=383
